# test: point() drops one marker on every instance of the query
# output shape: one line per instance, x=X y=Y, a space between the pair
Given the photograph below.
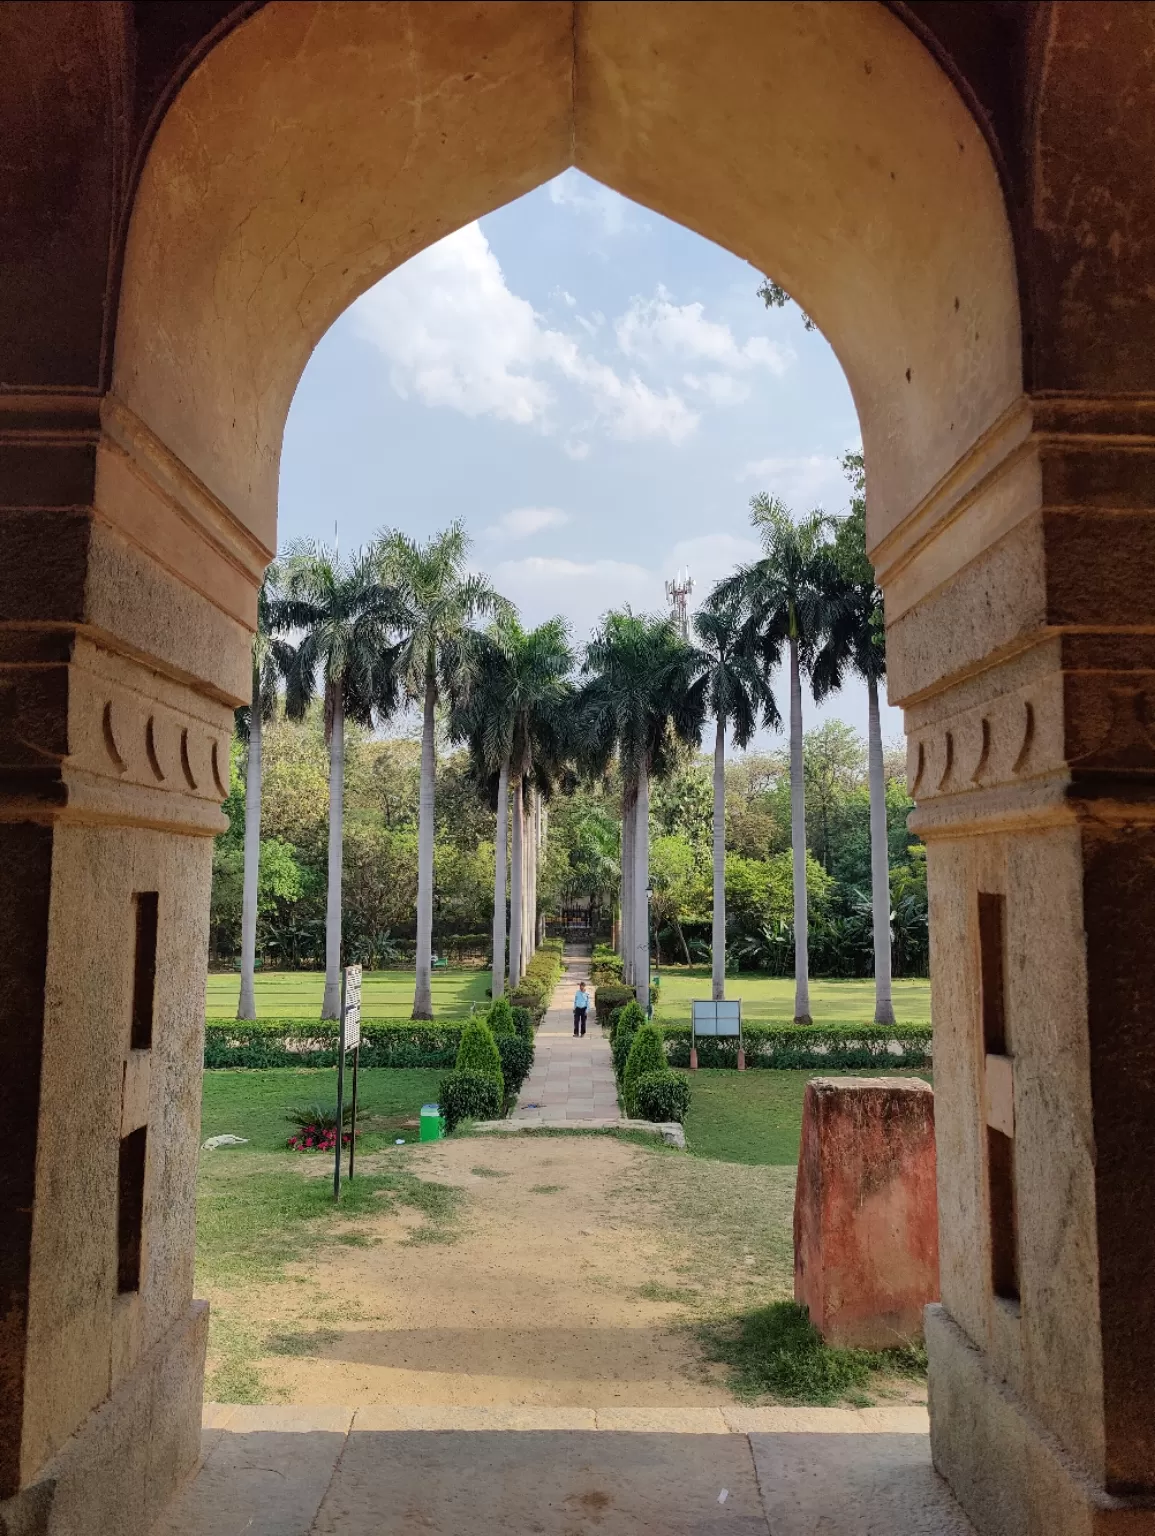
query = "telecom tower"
x=677 y=595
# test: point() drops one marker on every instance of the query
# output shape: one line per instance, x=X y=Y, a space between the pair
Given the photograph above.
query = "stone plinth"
x=865 y=1213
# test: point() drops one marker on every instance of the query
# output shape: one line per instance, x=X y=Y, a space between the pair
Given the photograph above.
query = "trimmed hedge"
x=478 y=1052
x=523 y=1022
x=469 y=1095
x=542 y=975
x=662 y=1096
x=628 y=1019
x=311 y=1043
x=834 y=1046
x=647 y=1054
x=516 y=1062
x=499 y=1017
x=609 y=999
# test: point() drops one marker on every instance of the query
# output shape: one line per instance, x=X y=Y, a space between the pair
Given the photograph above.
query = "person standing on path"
x=581 y=1004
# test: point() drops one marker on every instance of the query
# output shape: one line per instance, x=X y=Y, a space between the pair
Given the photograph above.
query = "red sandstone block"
x=865 y=1209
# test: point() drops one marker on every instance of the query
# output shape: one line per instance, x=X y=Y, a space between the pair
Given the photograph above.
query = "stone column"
x=127 y=601
x=1020 y=607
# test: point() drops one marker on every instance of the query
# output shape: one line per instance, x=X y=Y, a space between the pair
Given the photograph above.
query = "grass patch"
x=752 y=1117
x=384 y=994
x=652 y=1291
x=254 y=1104
x=545 y=1189
x=311 y=1343
x=775 y=1352
x=770 y=999
x=252 y=1221
x=481 y=1172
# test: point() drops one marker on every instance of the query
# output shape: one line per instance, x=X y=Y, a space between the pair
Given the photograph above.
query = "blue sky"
x=596 y=391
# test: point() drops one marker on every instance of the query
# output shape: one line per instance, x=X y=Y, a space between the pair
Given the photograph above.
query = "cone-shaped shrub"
x=627 y=1023
x=500 y=1018
x=478 y=1052
x=647 y=1054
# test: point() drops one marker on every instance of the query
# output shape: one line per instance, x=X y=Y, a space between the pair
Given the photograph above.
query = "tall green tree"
x=346 y=619
x=639 y=700
x=856 y=642
x=512 y=712
x=786 y=597
x=271 y=656
x=731 y=685
x=440 y=602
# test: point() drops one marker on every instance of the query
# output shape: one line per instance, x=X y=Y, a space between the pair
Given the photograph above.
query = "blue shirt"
x=581 y=999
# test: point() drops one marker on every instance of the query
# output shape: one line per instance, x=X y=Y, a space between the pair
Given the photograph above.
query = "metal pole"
x=340 y=1094
x=353 y=1124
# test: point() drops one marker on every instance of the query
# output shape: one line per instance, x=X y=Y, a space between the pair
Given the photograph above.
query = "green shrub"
x=609 y=998
x=478 y=1053
x=523 y=1022
x=516 y=1062
x=467 y=1095
x=833 y=1046
x=661 y=1096
x=647 y=1054
x=499 y=1017
x=605 y=966
x=628 y=1019
x=311 y=1043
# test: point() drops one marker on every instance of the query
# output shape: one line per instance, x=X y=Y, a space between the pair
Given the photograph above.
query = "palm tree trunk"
x=531 y=884
x=247 y=1006
x=423 y=991
x=331 y=1007
x=500 y=876
x=516 y=898
x=798 y=839
x=629 y=804
x=641 y=881
x=718 y=932
x=879 y=861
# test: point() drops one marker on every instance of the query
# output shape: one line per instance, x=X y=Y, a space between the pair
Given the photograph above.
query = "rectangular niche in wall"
x=130 y=1209
x=999 y=1097
x=146 y=904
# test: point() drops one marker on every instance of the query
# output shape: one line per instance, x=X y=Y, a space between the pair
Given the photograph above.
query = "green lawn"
x=384 y=994
x=770 y=999
x=751 y=1117
x=253 y=1104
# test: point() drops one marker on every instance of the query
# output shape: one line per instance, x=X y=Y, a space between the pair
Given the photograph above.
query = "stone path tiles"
x=572 y=1082
x=395 y=1470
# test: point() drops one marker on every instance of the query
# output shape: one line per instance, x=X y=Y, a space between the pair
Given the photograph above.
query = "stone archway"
x=314 y=148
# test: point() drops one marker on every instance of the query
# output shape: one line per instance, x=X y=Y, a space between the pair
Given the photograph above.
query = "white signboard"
x=718 y=1019
x=352 y=1030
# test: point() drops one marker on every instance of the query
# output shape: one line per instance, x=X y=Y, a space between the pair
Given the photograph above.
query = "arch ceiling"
x=319 y=145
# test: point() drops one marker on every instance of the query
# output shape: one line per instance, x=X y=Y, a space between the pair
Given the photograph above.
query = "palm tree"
x=638 y=698
x=347 y=620
x=786 y=598
x=733 y=687
x=440 y=601
x=511 y=713
x=855 y=640
x=270 y=658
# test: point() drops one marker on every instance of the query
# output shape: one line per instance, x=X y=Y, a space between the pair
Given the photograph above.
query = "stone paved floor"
x=283 y=1470
x=572 y=1082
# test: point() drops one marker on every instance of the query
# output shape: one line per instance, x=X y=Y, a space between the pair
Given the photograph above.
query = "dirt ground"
x=568 y=1278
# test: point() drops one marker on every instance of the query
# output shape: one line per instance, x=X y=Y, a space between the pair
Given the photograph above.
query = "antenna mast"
x=677 y=595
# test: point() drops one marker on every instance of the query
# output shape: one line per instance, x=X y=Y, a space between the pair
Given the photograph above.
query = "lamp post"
x=649 y=934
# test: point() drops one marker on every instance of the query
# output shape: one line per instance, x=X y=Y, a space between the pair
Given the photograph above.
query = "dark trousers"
x=579 y=1017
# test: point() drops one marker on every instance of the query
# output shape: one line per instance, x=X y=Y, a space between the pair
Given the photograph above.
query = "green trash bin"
x=432 y=1125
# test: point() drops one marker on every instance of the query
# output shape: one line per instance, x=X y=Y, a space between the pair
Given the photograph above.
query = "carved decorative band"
x=177 y=485
x=49 y=416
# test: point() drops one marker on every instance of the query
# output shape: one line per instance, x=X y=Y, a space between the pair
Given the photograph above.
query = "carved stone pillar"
x=126 y=603
x=1021 y=620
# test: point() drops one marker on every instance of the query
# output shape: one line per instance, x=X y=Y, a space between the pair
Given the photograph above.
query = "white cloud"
x=581 y=589
x=812 y=478
x=524 y=522
x=573 y=190
x=457 y=337
x=657 y=330
x=576 y=449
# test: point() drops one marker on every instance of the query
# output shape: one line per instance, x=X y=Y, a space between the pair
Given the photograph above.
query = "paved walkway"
x=288 y=1470
x=572 y=1082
